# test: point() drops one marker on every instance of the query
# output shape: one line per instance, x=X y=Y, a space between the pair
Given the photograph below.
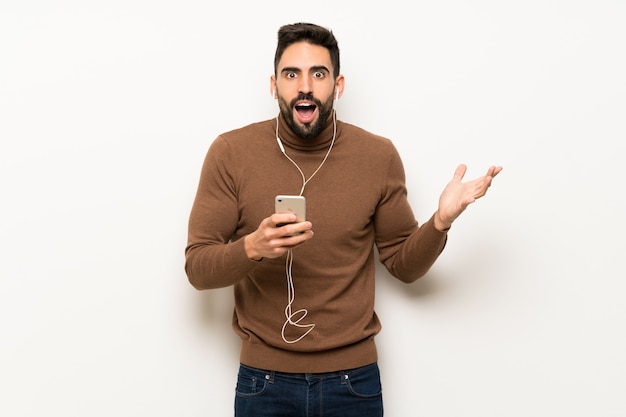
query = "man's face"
x=305 y=87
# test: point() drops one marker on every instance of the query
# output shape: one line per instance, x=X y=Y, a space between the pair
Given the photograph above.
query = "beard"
x=307 y=130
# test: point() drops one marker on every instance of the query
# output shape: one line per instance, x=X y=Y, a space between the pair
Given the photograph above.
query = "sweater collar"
x=321 y=141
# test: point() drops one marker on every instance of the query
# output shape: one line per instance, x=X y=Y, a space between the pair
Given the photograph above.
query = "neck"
x=330 y=148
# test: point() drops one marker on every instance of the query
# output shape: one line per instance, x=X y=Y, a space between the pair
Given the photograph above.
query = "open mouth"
x=305 y=112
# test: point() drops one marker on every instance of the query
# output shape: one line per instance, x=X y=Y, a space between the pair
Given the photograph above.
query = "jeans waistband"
x=271 y=375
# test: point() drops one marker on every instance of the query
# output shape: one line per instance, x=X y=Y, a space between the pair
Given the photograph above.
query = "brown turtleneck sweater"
x=356 y=202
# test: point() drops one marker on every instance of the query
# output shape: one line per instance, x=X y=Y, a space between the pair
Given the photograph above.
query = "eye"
x=290 y=74
x=318 y=74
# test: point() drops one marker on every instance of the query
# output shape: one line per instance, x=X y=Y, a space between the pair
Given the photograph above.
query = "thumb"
x=460 y=172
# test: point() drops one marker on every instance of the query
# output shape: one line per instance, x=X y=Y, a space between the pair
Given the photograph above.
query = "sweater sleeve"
x=212 y=260
x=406 y=249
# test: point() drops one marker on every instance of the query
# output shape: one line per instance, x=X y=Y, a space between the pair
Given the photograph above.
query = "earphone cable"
x=291 y=291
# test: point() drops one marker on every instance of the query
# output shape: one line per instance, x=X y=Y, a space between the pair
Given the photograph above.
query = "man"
x=304 y=291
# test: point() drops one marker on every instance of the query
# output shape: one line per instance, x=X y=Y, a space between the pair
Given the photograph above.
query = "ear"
x=340 y=84
x=273 y=87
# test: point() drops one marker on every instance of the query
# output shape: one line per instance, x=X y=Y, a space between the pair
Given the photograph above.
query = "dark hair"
x=311 y=33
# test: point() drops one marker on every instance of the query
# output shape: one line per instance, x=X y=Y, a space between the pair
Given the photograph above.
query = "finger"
x=481 y=190
x=281 y=219
x=295 y=239
x=460 y=172
x=493 y=170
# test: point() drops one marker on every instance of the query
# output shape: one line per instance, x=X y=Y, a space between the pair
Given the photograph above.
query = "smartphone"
x=291 y=203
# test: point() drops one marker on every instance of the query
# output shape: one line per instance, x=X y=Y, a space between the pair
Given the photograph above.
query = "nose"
x=305 y=86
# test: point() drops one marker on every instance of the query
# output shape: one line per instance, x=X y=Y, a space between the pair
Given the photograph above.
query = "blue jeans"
x=352 y=393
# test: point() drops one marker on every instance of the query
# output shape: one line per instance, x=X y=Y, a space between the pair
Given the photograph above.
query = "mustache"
x=307 y=97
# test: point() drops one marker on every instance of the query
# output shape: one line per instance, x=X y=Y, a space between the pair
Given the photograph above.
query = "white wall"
x=106 y=112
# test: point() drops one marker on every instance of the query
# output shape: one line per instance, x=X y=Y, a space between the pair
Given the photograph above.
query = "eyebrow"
x=312 y=69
